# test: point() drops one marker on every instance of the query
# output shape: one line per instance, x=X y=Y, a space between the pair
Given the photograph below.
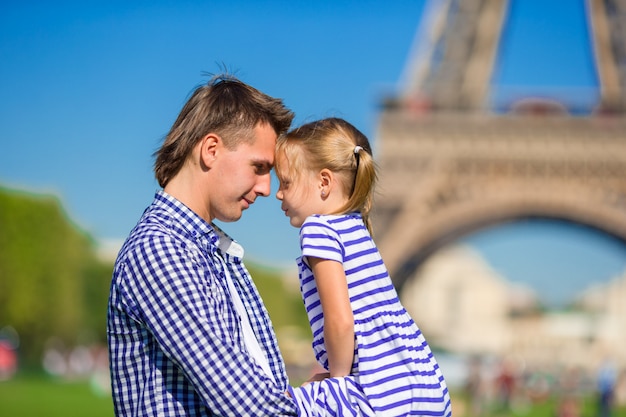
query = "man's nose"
x=264 y=185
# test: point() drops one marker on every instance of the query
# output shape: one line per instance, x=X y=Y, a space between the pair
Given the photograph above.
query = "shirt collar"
x=196 y=226
x=227 y=244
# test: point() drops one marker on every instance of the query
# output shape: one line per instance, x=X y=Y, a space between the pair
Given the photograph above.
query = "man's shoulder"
x=154 y=230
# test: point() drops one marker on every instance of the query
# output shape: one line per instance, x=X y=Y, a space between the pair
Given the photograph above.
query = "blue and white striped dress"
x=394 y=371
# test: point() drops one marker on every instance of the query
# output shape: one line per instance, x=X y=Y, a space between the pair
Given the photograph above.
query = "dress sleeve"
x=319 y=239
x=176 y=294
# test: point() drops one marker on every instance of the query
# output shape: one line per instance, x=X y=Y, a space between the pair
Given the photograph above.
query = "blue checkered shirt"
x=176 y=344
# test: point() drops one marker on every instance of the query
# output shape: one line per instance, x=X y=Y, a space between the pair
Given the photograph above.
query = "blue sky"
x=89 y=89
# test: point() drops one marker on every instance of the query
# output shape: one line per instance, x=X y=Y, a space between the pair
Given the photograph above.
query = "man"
x=188 y=333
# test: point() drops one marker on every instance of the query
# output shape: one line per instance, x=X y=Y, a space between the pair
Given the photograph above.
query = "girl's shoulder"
x=337 y=223
x=334 y=218
x=316 y=221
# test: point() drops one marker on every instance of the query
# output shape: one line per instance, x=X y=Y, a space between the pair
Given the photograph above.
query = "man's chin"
x=232 y=217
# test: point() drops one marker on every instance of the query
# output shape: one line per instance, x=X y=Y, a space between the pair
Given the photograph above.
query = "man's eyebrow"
x=262 y=162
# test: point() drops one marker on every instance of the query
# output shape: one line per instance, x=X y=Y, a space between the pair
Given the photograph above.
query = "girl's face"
x=301 y=196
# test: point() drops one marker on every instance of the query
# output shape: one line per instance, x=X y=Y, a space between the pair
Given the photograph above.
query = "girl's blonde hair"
x=336 y=145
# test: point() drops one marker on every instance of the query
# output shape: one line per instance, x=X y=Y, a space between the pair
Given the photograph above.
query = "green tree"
x=284 y=306
x=49 y=274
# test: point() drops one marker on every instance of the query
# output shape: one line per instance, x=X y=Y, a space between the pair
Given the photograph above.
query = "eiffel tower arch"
x=450 y=164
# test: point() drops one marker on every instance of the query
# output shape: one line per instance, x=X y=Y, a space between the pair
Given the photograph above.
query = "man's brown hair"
x=225 y=106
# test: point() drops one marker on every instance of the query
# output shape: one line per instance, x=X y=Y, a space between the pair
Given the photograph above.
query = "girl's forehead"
x=281 y=166
x=287 y=157
x=281 y=161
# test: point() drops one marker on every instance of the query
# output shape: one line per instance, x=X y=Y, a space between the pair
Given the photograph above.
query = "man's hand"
x=317 y=377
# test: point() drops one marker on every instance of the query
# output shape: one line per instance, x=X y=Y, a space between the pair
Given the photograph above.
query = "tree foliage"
x=51 y=281
x=284 y=306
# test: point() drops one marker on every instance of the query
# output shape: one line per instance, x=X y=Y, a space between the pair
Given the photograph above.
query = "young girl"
x=378 y=362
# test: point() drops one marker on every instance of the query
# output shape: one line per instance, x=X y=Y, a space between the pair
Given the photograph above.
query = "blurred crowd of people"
x=79 y=362
x=502 y=387
x=9 y=343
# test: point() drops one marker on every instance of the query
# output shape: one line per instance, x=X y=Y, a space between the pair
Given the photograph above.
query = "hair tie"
x=357 y=156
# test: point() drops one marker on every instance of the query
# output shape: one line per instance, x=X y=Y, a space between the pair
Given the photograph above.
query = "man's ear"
x=208 y=149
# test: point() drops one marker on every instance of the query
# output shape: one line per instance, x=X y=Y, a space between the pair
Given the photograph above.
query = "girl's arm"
x=332 y=287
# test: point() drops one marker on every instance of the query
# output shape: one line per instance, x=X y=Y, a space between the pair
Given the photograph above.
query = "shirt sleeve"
x=175 y=292
x=318 y=239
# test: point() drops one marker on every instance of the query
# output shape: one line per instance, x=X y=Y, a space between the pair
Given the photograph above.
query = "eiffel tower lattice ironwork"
x=450 y=166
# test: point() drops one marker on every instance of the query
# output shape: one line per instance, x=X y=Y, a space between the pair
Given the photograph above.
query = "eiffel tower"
x=451 y=165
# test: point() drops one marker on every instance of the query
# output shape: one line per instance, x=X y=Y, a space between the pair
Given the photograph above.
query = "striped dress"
x=394 y=372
